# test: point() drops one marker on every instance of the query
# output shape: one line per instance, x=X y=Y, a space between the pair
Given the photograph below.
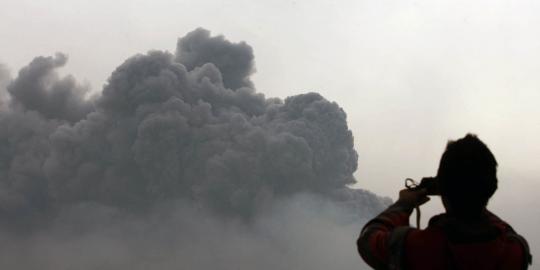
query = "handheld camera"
x=431 y=184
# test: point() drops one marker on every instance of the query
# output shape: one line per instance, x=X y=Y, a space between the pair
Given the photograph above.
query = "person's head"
x=467 y=176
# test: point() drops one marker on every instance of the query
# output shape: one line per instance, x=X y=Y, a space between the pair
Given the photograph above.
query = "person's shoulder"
x=506 y=229
x=498 y=222
x=517 y=247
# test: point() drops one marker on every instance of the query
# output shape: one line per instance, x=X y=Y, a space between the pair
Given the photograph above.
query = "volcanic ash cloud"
x=185 y=131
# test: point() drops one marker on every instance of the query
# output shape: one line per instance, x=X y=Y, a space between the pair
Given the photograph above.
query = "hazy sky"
x=409 y=74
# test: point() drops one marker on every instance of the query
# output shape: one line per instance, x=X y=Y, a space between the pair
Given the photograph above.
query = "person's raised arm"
x=374 y=243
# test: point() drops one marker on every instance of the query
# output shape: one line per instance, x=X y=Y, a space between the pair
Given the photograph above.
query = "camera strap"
x=418 y=214
x=411 y=184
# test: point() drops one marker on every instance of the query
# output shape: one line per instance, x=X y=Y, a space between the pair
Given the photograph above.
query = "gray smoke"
x=178 y=149
x=4 y=80
x=234 y=61
x=38 y=88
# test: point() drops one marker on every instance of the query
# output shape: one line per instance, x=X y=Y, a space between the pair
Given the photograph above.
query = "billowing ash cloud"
x=234 y=60
x=38 y=88
x=166 y=128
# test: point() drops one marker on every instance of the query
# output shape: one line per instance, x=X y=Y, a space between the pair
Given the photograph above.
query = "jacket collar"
x=486 y=228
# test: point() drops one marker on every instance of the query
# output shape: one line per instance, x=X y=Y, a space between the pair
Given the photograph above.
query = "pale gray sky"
x=409 y=74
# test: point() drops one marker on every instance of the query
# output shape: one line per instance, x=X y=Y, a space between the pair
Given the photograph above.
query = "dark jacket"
x=387 y=242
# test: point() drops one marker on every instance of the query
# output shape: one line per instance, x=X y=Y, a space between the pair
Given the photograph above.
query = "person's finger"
x=424 y=200
x=405 y=190
x=422 y=192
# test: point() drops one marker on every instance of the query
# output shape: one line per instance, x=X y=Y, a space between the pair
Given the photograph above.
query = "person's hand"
x=413 y=198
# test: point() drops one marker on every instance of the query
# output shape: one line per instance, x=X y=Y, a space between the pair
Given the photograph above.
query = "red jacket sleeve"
x=374 y=241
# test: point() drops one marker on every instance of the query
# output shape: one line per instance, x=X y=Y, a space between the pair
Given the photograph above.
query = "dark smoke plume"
x=38 y=88
x=4 y=80
x=182 y=129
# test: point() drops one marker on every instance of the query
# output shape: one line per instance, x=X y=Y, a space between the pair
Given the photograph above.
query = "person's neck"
x=468 y=218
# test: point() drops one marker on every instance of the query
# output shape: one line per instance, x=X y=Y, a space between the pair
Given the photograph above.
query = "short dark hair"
x=467 y=175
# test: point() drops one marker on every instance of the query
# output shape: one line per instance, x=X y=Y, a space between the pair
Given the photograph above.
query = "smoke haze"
x=178 y=162
x=4 y=80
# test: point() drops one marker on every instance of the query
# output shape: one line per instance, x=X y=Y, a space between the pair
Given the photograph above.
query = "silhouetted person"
x=467 y=236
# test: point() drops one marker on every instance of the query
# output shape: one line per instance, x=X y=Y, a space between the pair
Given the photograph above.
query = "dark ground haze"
x=177 y=163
